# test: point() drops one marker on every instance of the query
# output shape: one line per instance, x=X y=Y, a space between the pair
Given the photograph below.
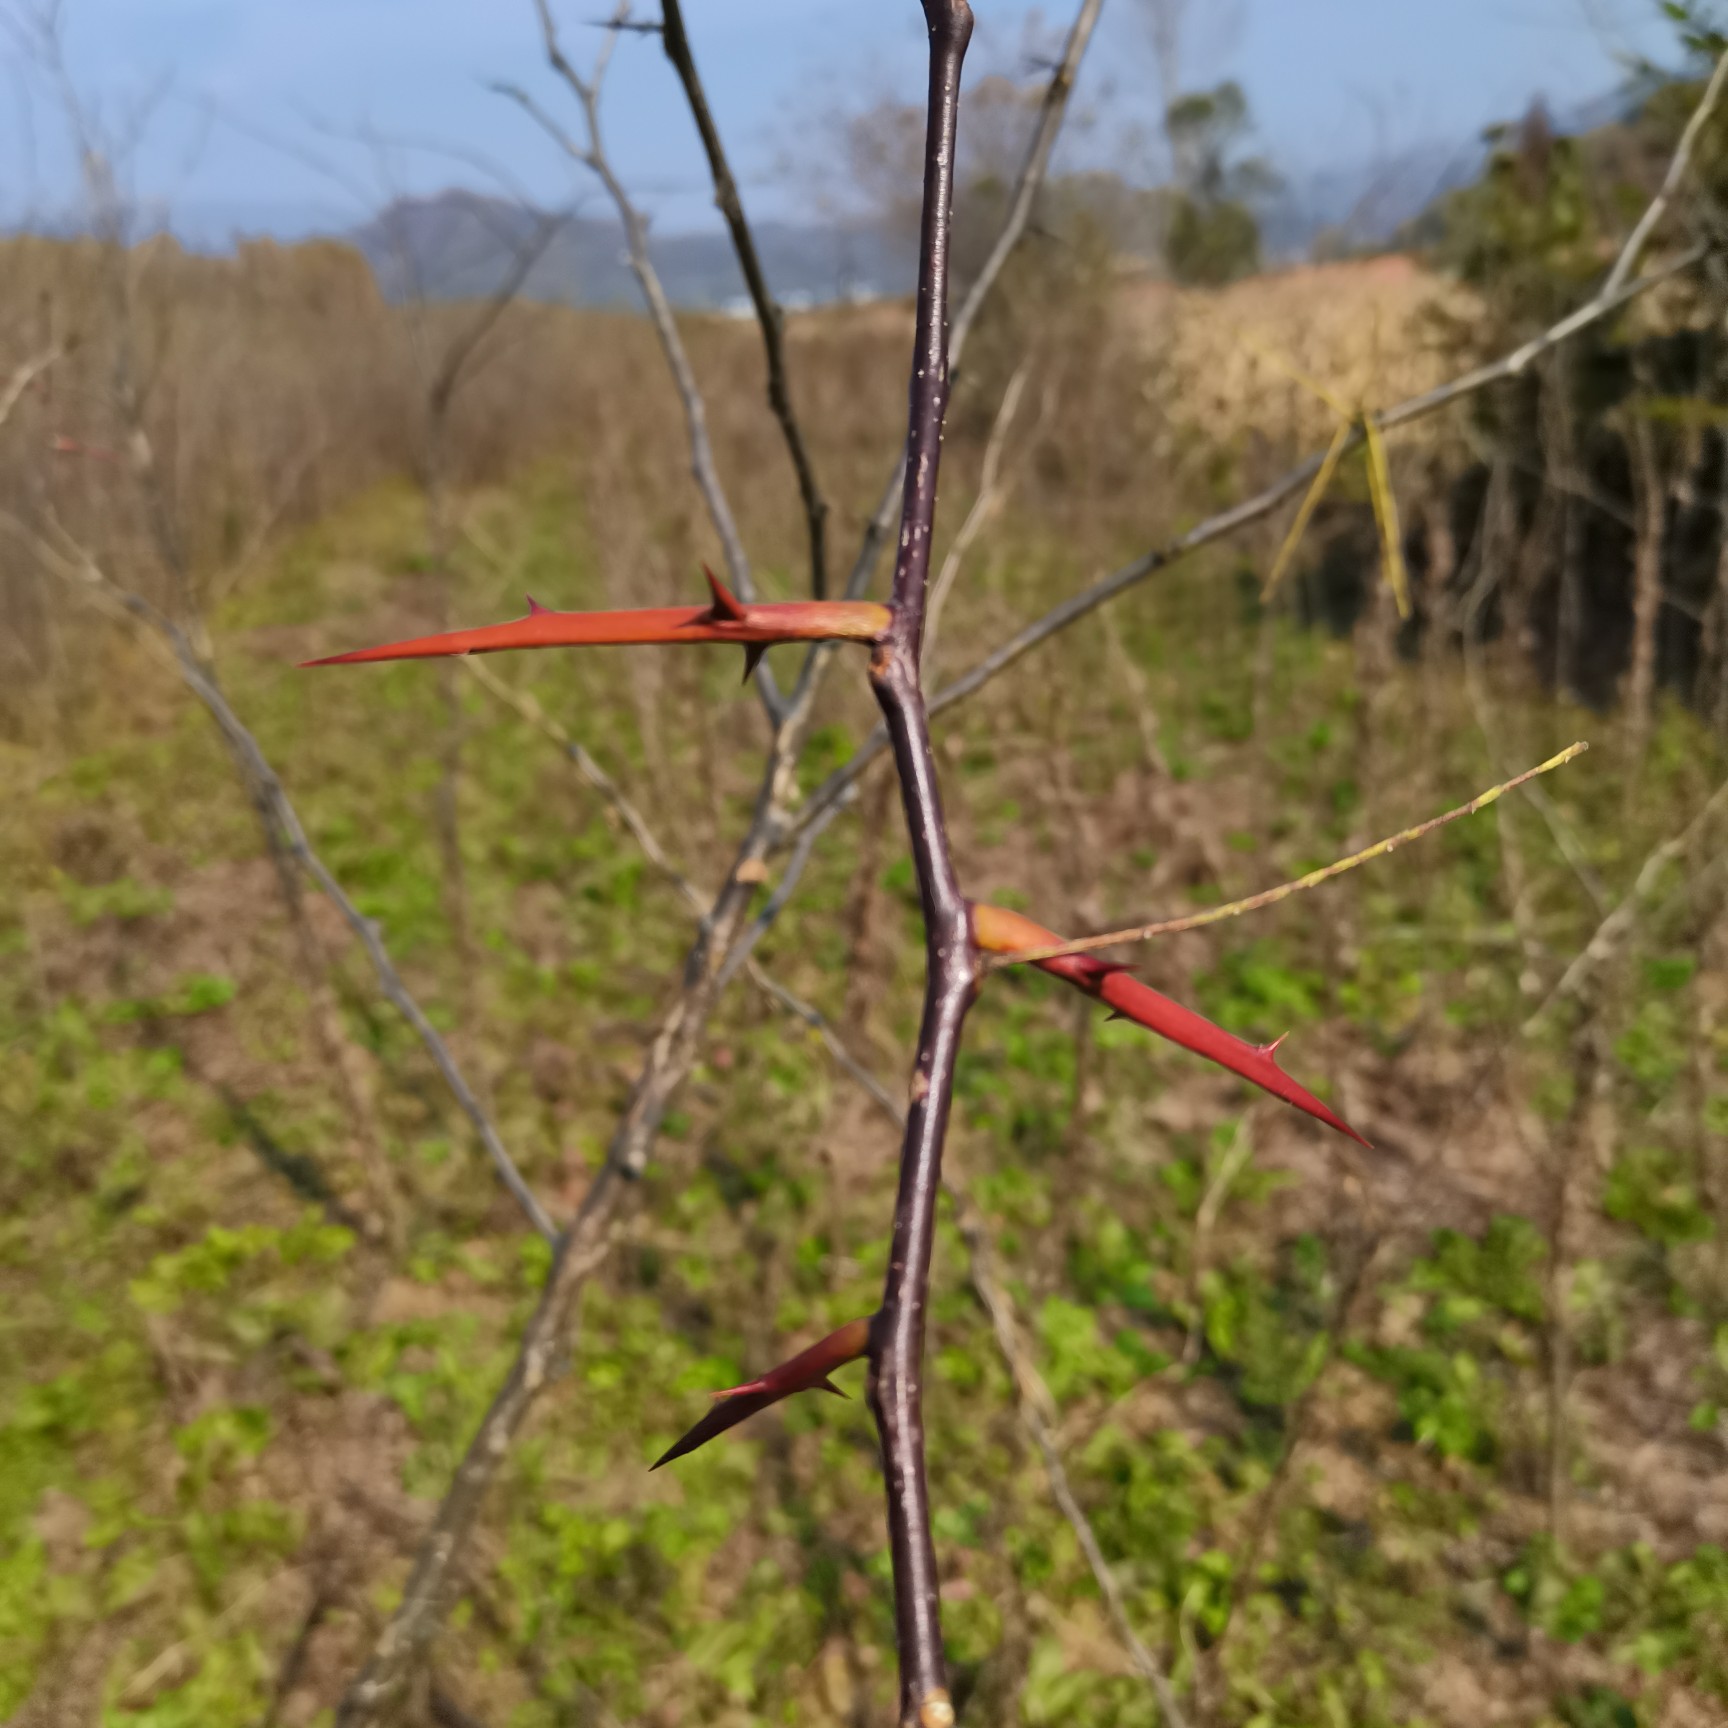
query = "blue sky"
x=356 y=82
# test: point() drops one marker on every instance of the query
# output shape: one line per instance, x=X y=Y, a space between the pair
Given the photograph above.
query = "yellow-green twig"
x=1271 y=896
x=1350 y=420
x=1305 y=511
x=1386 y=514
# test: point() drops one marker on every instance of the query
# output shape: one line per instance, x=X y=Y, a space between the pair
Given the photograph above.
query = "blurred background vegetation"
x=1435 y=1434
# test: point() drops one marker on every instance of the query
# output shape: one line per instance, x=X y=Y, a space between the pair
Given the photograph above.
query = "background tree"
x=1213 y=235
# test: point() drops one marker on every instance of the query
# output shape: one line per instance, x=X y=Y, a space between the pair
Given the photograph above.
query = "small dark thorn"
x=535 y=608
x=1109 y=968
x=727 y=608
x=1114 y=1015
x=753 y=653
x=829 y=1386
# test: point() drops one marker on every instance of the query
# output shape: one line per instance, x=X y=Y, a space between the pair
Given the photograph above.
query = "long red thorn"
x=808 y=1371
x=724 y=619
x=999 y=931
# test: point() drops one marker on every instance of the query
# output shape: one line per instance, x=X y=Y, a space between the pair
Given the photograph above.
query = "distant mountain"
x=1362 y=207
x=1375 y=204
x=461 y=245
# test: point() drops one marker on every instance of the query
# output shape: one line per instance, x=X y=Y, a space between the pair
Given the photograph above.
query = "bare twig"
x=768 y=313
x=1245 y=1563
x=451 y=368
x=23 y=376
x=1272 y=896
x=1613 y=929
x=984 y=506
x=1029 y=182
x=1630 y=253
x=697 y=899
x=758 y=927
x=593 y=157
x=831 y=1040
x=1239 y=516
x=1037 y=1412
x=75 y=564
x=1034 y=169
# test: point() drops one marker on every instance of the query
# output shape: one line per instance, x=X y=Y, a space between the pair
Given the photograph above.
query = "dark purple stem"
x=952 y=972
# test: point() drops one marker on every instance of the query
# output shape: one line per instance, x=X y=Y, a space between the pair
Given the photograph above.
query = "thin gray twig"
x=1627 y=262
x=75 y=563
x=23 y=376
x=1227 y=522
x=768 y=313
x=1614 y=928
x=1034 y=170
x=593 y=157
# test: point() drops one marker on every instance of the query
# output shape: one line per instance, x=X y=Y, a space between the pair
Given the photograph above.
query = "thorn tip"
x=727 y=608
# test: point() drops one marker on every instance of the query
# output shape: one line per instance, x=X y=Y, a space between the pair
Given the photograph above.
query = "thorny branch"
x=894 y=1362
x=667 y=1064
x=773 y=826
x=896 y=1387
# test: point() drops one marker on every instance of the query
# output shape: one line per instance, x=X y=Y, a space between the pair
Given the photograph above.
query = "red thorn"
x=727 y=606
x=1272 y=1048
x=753 y=652
x=722 y=621
x=746 y=1390
x=999 y=931
x=808 y=1371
